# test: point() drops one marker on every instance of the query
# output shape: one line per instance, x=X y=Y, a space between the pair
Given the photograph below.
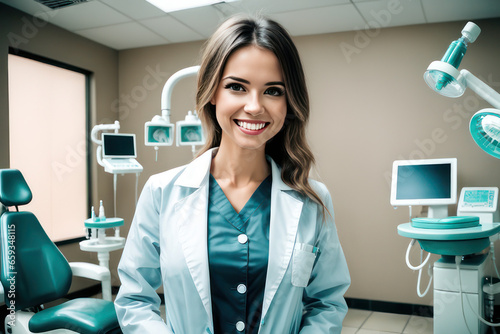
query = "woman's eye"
x=275 y=91
x=234 y=86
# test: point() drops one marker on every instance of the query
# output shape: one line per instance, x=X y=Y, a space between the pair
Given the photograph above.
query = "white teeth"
x=251 y=126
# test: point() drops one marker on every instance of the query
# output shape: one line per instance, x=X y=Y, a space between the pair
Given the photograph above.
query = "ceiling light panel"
x=138 y=10
x=175 y=5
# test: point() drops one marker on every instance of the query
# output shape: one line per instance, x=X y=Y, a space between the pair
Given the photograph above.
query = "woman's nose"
x=254 y=105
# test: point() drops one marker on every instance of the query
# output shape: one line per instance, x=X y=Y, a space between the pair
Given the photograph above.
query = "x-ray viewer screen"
x=118 y=145
x=424 y=182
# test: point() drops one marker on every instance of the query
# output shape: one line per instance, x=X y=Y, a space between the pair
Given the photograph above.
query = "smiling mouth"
x=251 y=125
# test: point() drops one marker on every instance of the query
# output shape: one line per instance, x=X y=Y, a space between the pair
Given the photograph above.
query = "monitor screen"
x=424 y=182
x=118 y=145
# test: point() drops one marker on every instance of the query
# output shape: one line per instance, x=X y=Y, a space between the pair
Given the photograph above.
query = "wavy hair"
x=289 y=148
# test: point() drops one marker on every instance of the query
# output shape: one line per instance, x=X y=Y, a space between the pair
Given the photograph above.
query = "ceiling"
x=125 y=24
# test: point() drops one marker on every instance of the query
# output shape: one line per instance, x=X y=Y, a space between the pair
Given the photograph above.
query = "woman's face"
x=250 y=101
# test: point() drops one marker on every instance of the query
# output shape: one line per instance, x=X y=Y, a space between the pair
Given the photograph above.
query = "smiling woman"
x=250 y=100
x=240 y=238
x=289 y=148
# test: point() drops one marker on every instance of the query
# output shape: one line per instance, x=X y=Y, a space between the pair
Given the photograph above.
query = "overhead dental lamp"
x=160 y=131
x=445 y=78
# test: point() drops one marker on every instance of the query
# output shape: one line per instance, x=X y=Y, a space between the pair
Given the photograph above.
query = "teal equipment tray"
x=109 y=222
x=458 y=241
x=445 y=223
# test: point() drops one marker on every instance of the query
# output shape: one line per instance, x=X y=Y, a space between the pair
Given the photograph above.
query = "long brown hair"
x=289 y=148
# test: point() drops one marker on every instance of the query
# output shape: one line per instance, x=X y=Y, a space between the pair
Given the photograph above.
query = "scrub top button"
x=241 y=288
x=240 y=326
x=242 y=238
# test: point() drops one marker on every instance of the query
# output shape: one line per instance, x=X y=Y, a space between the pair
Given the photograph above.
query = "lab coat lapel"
x=285 y=215
x=191 y=212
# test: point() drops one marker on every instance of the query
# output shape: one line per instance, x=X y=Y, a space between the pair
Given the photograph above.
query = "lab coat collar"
x=198 y=171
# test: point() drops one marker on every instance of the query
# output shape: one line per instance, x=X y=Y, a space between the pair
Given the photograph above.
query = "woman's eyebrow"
x=274 y=83
x=271 y=83
x=237 y=79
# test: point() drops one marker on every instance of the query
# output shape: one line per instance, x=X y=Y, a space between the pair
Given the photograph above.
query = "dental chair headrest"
x=14 y=190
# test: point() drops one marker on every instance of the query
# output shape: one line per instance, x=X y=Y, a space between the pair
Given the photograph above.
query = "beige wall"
x=367 y=111
x=43 y=39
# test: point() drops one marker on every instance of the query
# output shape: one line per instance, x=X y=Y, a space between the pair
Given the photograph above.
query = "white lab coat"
x=167 y=244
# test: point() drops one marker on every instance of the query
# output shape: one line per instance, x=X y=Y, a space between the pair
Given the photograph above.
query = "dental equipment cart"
x=449 y=243
x=102 y=244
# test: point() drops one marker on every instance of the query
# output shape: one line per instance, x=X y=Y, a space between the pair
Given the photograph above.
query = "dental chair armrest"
x=96 y=272
x=90 y=270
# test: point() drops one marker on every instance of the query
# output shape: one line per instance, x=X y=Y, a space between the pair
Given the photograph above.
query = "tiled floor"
x=368 y=322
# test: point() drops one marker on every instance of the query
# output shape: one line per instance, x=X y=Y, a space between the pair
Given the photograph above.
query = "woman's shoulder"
x=190 y=175
x=319 y=188
x=163 y=179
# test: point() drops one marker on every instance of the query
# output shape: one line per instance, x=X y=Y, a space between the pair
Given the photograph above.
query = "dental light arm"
x=481 y=89
x=160 y=131
x=166 y=94
x=94 y=136
x=460 y=81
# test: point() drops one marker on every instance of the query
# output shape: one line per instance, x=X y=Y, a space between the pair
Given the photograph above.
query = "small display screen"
x=118 y=145
x=431 y=181
x=478 y=198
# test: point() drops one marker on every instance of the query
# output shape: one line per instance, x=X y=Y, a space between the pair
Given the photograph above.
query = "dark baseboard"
x=362 y=304
x=114 y=290
x=390 y=307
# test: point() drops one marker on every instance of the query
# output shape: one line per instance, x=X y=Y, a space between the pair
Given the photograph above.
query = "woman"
x=241 y=240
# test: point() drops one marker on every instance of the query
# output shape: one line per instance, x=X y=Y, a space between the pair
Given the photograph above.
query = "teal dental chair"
x=34 y=272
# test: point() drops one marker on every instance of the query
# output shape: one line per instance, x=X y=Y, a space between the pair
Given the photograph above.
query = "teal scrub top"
x=238 y=248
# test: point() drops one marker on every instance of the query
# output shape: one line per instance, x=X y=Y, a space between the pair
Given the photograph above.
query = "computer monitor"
x=430 y=182
x=118 y=145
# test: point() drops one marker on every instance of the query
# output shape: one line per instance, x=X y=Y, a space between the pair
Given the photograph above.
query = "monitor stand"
x=437 y=211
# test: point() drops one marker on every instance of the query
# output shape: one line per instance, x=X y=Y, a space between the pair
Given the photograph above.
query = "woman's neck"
x=240 y=167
